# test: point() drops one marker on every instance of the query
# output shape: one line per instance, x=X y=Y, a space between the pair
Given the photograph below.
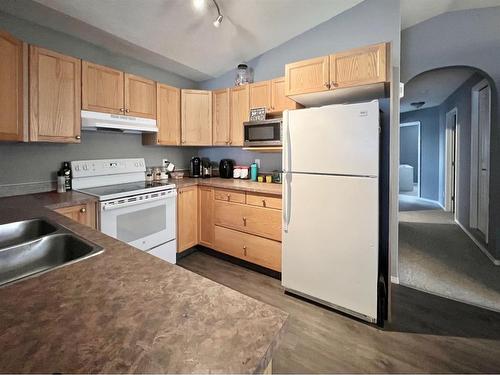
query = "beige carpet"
x=436 y=256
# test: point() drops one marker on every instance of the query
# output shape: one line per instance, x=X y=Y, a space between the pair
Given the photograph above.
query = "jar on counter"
x=157 y=174
x=163 y=173
x=149 y=175
x=244 y=173
x=237 y=171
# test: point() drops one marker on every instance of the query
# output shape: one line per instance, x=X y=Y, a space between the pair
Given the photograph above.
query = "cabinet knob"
x=78 y=137
x=244 y=221
x=244 y=250
x=122 y=109
x=327 y=85
x=83 y=210
x=127 y=110
x=264 y=202
x=334 y=84
x=228 y=197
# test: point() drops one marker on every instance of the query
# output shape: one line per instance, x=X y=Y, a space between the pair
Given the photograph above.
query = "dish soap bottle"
x=66 y=172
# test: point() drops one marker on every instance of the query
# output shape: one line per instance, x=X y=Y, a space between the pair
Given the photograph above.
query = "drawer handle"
x=228 y=197
x=83 y=210
x=264 y=202
x=244 y=221
x=244 y=250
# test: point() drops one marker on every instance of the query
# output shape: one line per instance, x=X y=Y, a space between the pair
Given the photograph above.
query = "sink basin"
x=46 y=253
x=24 y=231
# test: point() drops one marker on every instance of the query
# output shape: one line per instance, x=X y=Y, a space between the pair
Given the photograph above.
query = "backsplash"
x=31 y=167
x=268 y=161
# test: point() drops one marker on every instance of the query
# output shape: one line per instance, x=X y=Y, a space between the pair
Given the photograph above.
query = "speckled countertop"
x=229 y=183
x=126 y=311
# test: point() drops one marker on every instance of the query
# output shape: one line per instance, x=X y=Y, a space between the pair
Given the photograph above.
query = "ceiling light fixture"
x=219 y=18
x=199 y=5
x=417 y=105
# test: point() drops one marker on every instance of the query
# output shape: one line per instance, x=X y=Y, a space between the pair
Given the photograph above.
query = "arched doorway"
x=444 y=186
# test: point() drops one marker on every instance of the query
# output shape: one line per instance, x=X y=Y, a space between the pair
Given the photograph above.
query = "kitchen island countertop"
x=126 y=311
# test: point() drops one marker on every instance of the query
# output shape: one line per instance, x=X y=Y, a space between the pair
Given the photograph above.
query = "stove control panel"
x=106 y=167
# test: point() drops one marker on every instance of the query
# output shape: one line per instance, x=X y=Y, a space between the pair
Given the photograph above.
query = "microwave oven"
x=263 y=133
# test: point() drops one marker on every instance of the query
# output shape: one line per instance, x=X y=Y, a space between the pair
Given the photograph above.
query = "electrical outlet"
x=257 y=161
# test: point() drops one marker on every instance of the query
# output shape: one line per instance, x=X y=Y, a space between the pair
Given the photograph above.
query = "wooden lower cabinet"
x=253 y=249
x=230 y=196
x=83 y=213
x=187 y=218
x=264 y=200
x=254 y=220
x=206 y=216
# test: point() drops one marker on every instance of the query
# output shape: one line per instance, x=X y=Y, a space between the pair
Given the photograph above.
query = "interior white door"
x=335 y=139
x=484 y=160
x=330 y=240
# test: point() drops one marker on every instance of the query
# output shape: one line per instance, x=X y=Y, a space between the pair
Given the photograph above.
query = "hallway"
x=436 y=256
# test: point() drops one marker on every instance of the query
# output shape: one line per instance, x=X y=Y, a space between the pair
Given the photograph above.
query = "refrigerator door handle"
x=286 y=148
x=286 y=200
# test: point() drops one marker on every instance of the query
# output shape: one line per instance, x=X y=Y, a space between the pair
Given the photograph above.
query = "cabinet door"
x=55 y=96
x=187 y=218
x=102 y=89
x=206 y=215
x=303 y=77
x=168 y=120
x=196 y=118
x=260 y=95
x=240 y=111
x=221 y=117
x=140 y=96
x=361 y=66
x=13 y=56
x=279 y=102
x=83 y=213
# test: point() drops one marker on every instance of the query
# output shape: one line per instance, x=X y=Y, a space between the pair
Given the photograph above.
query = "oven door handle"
x=108 y=206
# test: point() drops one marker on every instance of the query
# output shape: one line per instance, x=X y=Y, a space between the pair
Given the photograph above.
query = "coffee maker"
x=206 y=168
x=195 y=169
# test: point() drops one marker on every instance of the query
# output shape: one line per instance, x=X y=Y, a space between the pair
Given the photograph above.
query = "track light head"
x=218 y=21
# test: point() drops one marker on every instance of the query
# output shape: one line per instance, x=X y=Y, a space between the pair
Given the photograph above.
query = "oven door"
x=144 y=221
x=263 y=133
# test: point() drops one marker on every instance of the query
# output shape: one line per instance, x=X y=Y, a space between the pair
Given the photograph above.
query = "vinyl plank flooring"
x=427 y=334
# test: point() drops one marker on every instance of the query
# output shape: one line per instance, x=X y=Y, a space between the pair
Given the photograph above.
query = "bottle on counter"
x=254 y=171
x=61 y=182
x=65 y=171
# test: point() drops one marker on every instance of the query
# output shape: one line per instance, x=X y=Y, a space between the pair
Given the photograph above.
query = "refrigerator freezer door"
x=330 y=240
x=336 y=139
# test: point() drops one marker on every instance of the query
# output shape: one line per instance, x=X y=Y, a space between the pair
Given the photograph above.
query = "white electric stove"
x=130 y=209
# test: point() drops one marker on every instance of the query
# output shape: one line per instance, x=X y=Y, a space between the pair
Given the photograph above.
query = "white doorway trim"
x=417 y=124
x=474 y=172
x=451 y=163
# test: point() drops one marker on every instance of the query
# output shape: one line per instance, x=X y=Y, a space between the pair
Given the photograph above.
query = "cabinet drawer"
x=230 y=195
x=254 y=249
x=263 y=200
x=250 y=219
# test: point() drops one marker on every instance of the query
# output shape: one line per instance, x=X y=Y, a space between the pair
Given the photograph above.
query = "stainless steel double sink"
x=35 y=246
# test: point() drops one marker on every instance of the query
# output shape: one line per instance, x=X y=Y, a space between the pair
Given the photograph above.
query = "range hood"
x=126 y=124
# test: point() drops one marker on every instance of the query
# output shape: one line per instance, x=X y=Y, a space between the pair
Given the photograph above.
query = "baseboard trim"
x=395 y=279
x=485 y=251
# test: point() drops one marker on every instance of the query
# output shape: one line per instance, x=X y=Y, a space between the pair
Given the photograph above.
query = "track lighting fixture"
x=219 y=18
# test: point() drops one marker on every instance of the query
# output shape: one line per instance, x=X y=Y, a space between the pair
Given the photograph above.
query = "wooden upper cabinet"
x=196 y=117
x=55 y=96
x=13 y=76
x=279 y=101
x=221 y=117
x=102 y=89
x=260 y=95
x=168 y=117
x=240 y=112
x=140 y=96
x=360 y=66
x=303 y=77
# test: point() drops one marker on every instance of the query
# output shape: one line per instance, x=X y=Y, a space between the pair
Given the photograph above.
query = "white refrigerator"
x=331 y=206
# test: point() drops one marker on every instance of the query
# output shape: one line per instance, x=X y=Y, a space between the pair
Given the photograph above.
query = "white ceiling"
x=176 y=30
x=433 y=87
x=416 y=11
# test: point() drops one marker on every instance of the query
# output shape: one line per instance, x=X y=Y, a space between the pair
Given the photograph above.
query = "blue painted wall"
x=429 y=125
x=463 y=38
x=409 y=144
